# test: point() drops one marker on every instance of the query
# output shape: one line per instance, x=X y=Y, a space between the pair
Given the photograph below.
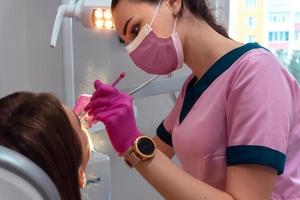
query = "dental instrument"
x=143 y=85
x=84 y=99
x=121 y=76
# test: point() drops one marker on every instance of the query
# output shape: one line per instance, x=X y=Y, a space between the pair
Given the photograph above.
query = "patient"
x=42 y=129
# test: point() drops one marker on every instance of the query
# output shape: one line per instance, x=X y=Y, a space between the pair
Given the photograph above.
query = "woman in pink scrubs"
x=235 y=127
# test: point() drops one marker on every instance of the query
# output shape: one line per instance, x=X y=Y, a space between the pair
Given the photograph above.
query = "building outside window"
x=278 y=36
x=251 y=38
x=278 y=17
x=297 y=16
x=297 y=35
x=251 y=22
x=251 y=4
x=277 y=28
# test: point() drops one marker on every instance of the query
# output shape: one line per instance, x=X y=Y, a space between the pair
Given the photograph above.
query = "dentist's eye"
x=135 y=30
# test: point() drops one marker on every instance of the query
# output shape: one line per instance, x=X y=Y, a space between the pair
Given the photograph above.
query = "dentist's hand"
x=114 y=108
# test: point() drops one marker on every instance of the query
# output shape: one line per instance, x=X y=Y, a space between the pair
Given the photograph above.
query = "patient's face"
x=83 y=135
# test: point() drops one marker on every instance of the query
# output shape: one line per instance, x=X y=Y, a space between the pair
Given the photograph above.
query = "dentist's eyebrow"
x=126 y=24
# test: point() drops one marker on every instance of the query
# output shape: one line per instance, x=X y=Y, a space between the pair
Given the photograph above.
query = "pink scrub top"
x=244 y=110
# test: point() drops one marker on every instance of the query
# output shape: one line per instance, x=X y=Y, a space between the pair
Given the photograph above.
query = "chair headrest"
x=23 y=167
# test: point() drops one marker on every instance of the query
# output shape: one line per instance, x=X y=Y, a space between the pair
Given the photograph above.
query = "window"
x=279 y=36
x=250 y=38
x=278 y=17
x=286 y=36
x=271 y=36
x=297 y=17
x=251 y=4
x=275 y=36
x=297 y=35
x=277 y=28
x=251 y=22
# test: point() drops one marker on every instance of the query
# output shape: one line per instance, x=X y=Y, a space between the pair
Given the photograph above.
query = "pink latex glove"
x=114 y=108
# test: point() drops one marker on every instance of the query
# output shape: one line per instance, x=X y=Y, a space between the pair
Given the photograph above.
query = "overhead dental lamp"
x=93 y=14
x=96 y=14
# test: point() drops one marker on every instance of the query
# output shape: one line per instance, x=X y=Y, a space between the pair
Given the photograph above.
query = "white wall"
x=28 y=63
x=221 y=8
x=26 y=60
x=99 y=55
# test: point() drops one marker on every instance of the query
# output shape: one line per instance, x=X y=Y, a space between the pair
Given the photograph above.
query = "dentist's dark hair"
x=199 y=8
x=36 y=126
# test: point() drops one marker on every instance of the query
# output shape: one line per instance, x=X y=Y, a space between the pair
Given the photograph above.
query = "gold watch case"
x=142 y=149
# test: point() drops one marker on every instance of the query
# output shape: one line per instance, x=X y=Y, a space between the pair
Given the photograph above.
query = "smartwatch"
x=142 y=149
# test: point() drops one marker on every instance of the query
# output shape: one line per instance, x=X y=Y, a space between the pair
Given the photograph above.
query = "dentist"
x=235 y=127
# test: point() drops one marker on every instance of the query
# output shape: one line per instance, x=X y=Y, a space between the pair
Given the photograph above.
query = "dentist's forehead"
x=127 y=9
x=122 y=12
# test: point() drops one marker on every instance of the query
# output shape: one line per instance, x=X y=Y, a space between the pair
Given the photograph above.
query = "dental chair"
x=22 y=179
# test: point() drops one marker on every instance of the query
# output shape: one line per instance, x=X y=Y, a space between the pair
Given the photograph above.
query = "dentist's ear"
x=81 y=177
x=175 y=6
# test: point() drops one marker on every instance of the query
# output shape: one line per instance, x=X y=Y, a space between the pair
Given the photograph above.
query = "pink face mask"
x=156 y=55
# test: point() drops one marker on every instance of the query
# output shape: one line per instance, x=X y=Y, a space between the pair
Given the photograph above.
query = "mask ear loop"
x=175 y=25
x=155 y=12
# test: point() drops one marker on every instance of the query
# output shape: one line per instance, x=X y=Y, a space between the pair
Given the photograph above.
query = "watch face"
x=146 y=146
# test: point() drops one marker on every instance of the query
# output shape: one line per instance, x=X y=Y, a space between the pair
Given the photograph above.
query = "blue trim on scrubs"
x=164 y=135
x=195 y=89
x=259 y=155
